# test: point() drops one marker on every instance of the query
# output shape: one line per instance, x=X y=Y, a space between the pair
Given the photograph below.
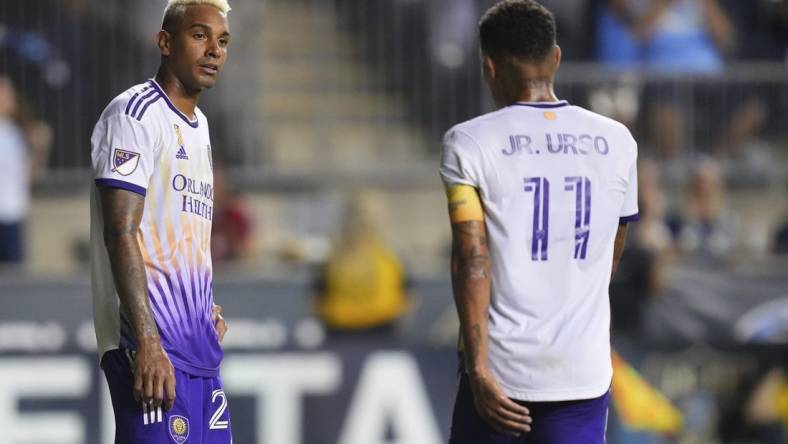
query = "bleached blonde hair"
x=176 y=9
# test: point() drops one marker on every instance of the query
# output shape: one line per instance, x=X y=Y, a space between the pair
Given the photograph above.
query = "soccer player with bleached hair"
x=159 y=332
x=540 y=192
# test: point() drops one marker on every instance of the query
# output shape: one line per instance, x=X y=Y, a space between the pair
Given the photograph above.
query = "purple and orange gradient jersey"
x=144 y=145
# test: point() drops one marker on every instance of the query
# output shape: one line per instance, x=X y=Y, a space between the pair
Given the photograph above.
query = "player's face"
x=198 y=49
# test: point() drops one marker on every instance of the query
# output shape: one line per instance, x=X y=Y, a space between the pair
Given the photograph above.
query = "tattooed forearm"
x=471 y=283
x=122 y=212
x=473 y=347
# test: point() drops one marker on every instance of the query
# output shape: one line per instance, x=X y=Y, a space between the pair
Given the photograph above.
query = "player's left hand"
x=500 y=412
x=218 y=321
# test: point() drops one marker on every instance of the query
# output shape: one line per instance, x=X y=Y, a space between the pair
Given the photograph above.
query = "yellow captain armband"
x=464 y=204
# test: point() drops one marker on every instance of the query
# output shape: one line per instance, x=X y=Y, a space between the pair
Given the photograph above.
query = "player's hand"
x=218 y=322
x=503 y=414
x=154 y=376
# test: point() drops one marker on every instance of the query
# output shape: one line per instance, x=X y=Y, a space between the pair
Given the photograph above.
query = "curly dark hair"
x=517 y=28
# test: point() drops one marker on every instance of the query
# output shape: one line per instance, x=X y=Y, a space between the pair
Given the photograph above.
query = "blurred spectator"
x=669 y=37
x=759 y=411
x=24 y=145
x=66 y=55
x=685 y=36
x=748 y=157
x=362 y=288
x=231 y=234
x=640 y=275
x=705 y=231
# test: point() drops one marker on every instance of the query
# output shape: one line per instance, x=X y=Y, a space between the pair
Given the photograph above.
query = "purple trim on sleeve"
x=193 y=124
x=114 y=183
x=558 y=104
x=627 y=219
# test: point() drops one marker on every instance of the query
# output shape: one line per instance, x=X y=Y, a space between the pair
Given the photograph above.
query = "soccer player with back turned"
x=540 y=192
x=158 y=329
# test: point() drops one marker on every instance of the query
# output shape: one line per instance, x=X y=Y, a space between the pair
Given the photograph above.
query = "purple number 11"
x=540 y=186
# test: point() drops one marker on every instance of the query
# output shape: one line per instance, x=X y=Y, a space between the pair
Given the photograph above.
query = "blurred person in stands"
x=231 y=234
x=676 y=36
x=640 y=276
x=748 y=158
x=705 y=231
x=362 y=287
x=24 y=147
x=759 y=411
x=158 y=330
x=668 y=37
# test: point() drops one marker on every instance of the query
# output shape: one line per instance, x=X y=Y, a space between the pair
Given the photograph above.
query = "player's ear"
x=557 y=56
x=488 y=67
x=164 y=40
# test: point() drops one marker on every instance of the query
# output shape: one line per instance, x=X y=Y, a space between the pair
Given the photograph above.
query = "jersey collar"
x=558 y=104
x=193 y=123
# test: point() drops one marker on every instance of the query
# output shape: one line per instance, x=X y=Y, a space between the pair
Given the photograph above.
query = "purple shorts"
x=563 y=422
x=199 y=416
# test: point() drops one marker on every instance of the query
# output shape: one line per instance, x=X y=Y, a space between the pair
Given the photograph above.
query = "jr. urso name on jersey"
x=559 y=143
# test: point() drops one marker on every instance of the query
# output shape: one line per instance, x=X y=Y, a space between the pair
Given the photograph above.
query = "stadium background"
x=328 y=105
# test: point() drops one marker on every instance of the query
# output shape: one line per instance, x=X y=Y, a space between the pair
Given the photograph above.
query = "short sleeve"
x=629 y=211
x=461 y=162
x=123 y=153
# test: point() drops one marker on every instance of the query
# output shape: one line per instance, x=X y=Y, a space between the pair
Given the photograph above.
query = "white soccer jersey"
x=143 y=144
x=555 y=181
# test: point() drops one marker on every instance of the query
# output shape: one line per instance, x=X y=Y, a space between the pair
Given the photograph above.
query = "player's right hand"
x=503 y=414
x=154 y=376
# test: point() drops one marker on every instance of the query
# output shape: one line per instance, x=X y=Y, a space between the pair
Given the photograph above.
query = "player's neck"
x=539 y=90
x=182 y=97
x=534 y=92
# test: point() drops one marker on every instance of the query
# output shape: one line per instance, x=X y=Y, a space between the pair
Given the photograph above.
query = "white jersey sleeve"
x=123 y=153
x=629 y=211
x=461 y=160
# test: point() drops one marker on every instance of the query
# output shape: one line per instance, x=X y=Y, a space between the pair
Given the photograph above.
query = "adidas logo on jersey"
x=182 y=154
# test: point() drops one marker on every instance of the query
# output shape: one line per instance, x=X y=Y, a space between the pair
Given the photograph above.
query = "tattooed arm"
x=153 y=372
x=470 y=275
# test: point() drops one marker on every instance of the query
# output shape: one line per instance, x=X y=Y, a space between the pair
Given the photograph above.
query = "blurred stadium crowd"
x=327 y=128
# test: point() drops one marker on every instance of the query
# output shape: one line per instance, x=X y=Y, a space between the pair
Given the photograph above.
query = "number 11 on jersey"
x=540 y=186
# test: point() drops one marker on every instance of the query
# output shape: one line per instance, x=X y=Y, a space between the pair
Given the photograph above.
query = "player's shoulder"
x=473 y=129
x=133 y=103
x=603 y=121
x=478 y=124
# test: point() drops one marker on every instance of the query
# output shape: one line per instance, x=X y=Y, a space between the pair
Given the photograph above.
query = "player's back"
x=554 y=180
